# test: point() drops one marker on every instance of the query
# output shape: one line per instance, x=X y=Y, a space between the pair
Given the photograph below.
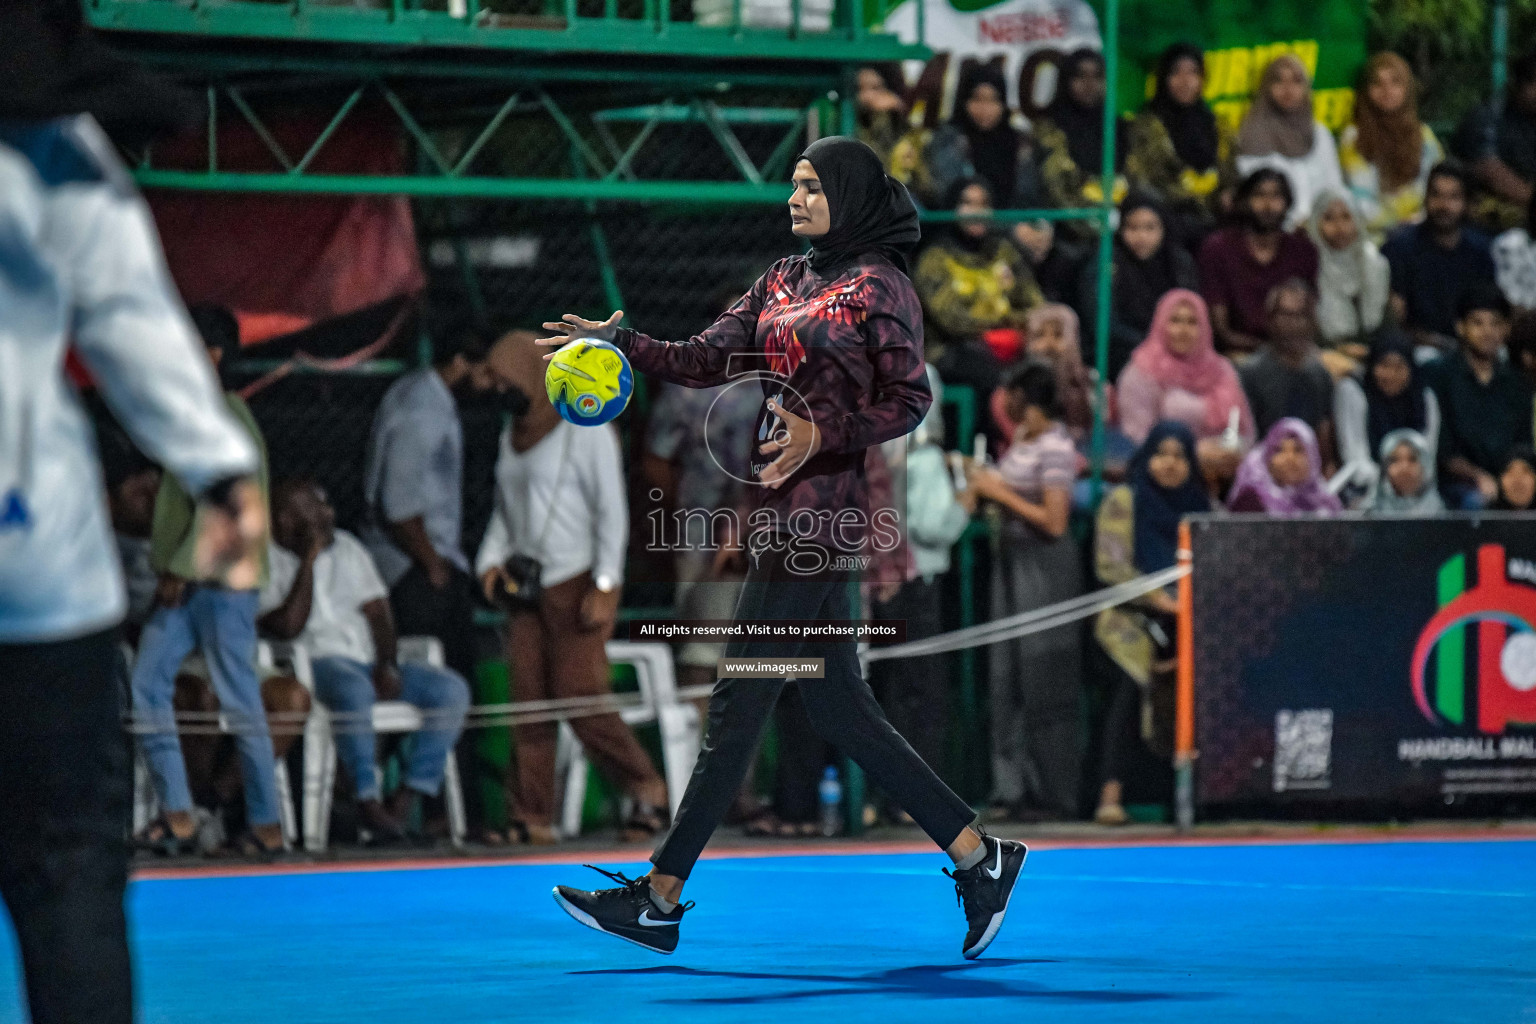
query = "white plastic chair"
x=677 y=721
x=389 y=716
x=146 y=802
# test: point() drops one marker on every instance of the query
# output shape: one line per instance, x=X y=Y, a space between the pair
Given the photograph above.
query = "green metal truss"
x=450 y=144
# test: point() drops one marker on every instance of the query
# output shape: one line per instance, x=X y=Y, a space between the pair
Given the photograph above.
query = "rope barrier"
x=292 y=723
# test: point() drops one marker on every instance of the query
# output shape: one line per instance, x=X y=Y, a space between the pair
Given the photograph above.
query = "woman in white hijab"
x=1353 y=281
x=1406 y=486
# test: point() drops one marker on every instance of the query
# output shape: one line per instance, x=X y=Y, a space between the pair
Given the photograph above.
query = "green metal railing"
x=558 y=26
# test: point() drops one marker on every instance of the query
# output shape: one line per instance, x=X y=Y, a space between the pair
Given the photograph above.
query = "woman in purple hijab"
x=1283 y=476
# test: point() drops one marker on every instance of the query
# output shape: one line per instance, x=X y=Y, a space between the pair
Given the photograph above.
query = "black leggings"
x=841 y=707
x=65 y=799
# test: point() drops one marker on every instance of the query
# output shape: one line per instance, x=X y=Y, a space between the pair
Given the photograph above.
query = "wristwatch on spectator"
x=607 y=584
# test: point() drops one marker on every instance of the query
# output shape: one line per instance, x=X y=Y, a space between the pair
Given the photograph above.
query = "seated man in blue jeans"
x=325 y=594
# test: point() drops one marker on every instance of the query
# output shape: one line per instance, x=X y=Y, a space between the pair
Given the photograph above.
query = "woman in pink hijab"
x=1176 y=374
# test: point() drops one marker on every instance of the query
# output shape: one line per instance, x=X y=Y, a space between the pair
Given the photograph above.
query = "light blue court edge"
x=1399 y=932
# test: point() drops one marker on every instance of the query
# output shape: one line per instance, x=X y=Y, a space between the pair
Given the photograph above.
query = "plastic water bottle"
x=831 y=794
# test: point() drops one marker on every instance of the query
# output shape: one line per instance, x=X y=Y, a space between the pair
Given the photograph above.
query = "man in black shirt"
x=1433 y=263
x=1485 y=405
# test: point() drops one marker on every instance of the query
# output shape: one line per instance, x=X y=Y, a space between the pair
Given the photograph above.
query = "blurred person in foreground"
x=83 y=263
x=220 y=623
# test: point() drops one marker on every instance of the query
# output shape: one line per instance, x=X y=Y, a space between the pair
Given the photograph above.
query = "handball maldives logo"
x=1489 y=627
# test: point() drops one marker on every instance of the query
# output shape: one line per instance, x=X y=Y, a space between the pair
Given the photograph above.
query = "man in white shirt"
x=325 y=594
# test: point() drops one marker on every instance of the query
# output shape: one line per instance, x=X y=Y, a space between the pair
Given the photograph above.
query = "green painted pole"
x=1500 y=48
x=1106 y=238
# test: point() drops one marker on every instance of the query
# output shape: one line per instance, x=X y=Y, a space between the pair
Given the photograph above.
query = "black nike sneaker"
x=626 y=912
x=984 y=891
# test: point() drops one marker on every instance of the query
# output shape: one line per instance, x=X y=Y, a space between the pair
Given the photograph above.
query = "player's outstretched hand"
x=572 y=326
x=794 y=442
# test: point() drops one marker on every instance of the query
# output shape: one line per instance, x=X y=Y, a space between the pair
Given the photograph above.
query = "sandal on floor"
x=249 y=846
x=645 y=821
x=158 y=838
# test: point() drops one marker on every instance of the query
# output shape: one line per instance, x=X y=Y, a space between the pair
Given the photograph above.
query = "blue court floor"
x=1406 y=931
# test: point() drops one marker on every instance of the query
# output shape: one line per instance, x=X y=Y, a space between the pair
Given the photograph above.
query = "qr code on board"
x=1303 y=749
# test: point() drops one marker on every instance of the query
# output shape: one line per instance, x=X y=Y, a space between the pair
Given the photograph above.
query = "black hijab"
x=871 y=211
x=1158 y=510
x=1083 y=126
x=1405 y=410
x=52 y=66
x=1141 y=284
x=995 y=150
x=1191 y=126
x=968 y=242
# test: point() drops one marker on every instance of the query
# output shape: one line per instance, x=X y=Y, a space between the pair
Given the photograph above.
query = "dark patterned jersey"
x=845 y=353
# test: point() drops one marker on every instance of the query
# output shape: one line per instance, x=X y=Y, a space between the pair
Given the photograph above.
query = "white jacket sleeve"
x=133 y=333
x=1349 y=418
x=603 y=484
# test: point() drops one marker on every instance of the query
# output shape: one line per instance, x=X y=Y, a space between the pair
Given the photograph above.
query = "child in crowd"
x=1036 y=681
x=1517 y=481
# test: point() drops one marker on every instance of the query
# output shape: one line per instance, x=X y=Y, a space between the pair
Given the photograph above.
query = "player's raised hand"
x=572 y=326
x=795 y=441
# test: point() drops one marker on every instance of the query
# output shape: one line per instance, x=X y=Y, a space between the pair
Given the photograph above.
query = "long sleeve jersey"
x=845 y=353
x=80 y=263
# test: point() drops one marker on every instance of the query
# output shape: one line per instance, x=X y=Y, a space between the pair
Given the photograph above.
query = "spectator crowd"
x=1298 y=324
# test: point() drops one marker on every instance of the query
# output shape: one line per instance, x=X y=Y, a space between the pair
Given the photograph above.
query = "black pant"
x=65 y=800
x=841 y=707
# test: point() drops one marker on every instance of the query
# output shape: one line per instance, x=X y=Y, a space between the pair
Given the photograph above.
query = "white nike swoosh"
x=996 y=871
x=648 y=921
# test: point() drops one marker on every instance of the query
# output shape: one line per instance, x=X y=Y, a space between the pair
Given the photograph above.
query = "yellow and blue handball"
x=589 y=381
